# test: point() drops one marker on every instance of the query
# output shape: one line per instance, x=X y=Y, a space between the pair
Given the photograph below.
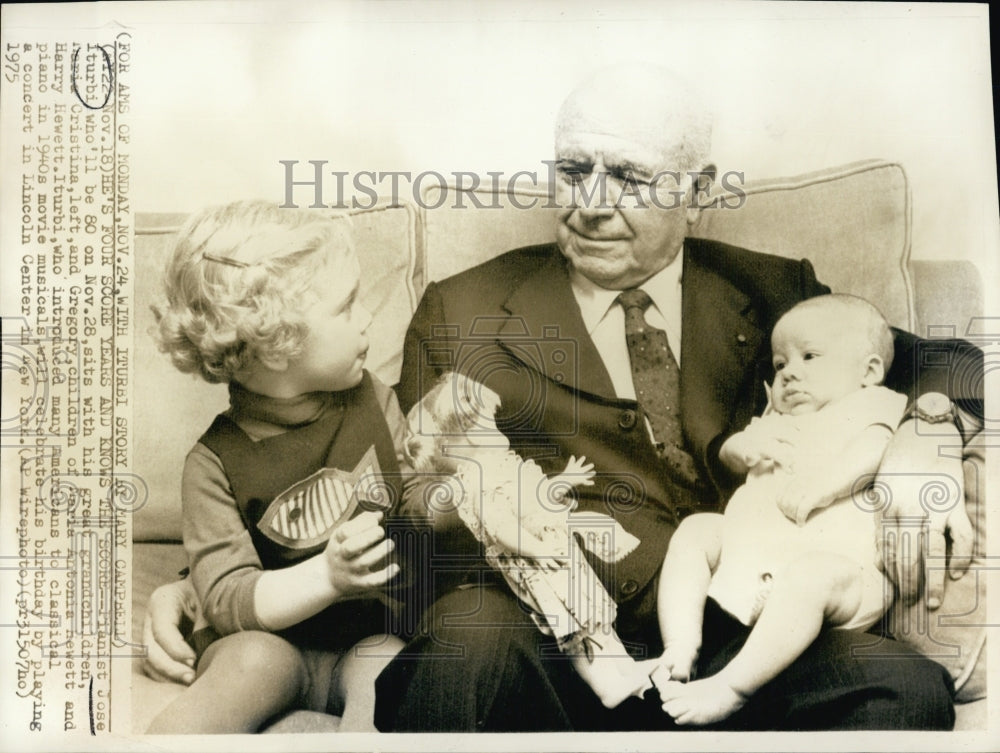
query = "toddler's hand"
x=354 y=548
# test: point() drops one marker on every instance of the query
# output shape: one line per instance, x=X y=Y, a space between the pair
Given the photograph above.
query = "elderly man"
x=641 y=349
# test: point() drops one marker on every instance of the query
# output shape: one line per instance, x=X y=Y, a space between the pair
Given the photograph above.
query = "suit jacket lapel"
x=545 y=330
x=720 y=342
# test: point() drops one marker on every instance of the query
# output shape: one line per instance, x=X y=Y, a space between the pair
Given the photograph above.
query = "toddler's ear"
x=273 y=362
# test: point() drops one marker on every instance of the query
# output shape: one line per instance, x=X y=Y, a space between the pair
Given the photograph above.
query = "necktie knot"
x=634 y=298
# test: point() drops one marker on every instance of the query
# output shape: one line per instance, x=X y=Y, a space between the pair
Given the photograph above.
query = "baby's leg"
x=680 y=603
x=243 y=680
x=353 y=682
x=603 y=663
x=813 y=590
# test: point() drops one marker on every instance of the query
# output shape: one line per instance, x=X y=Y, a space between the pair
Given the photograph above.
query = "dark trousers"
x=479 y=663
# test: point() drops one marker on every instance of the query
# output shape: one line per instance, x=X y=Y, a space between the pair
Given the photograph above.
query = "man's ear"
x=701 y=184
x=874 y=371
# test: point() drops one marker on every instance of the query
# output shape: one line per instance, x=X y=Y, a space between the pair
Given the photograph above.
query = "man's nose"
x=595 y=197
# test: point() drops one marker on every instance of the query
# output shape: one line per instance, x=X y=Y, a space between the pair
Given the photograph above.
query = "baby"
x=795 y=550
x=281 y=523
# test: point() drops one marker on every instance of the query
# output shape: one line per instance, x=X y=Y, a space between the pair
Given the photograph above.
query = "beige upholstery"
x=852 y=221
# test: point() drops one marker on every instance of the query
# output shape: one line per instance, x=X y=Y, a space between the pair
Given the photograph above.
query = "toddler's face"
x=816 y=360
x=334 y=351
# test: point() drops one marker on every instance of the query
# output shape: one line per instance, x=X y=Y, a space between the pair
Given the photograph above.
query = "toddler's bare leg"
x=601 y=660
x=691 y=558
x=243 y=680
x=354 y=681
x=816 y=589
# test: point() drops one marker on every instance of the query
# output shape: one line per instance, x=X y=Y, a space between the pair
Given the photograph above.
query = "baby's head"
x=825 y=348
x=254 y=289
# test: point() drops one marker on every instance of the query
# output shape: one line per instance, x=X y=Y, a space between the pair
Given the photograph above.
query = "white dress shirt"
x=605 y=319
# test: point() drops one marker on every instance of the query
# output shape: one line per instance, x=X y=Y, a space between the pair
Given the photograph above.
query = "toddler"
x=795 y=550
x=282 y=528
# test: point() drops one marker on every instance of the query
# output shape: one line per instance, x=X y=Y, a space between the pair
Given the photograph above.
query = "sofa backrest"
x=852 y=222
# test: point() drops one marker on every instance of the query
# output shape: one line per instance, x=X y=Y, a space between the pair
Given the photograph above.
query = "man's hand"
x=169 y=658
x=922 y=478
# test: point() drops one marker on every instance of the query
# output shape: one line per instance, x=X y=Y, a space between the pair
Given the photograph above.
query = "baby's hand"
x=798 y=499
x=766 y=442
x=353 y=549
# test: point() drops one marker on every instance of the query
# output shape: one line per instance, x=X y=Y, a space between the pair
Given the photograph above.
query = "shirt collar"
x=663 y=288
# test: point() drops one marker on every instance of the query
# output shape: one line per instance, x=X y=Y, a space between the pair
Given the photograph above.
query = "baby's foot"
x=679 y=660
x=700 y=702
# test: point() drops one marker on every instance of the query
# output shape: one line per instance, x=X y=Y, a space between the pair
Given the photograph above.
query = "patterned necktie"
x=656 y=377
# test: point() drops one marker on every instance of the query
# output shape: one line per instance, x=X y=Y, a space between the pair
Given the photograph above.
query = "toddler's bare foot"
x=700 y=702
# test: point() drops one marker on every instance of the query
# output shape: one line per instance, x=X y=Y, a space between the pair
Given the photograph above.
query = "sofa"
x=853 y=222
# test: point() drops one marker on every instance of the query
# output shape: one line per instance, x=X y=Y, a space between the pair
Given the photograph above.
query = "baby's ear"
x=874 y=371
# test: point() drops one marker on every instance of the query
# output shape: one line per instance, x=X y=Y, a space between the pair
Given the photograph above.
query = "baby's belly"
x=758 y=541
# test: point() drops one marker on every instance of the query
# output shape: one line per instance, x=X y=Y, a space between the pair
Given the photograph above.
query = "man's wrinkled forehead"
x=585 y=147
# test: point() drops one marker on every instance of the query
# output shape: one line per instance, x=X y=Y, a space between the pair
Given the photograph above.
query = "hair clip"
x=225 y=260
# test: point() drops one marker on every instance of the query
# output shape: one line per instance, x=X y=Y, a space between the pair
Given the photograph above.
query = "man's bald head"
x=643 y=104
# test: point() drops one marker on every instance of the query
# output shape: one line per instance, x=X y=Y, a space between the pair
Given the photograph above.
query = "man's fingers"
x=963 y=539
x=909 y=564
x=935 y=567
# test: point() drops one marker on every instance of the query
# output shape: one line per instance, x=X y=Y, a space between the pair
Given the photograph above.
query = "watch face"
x=934 y=404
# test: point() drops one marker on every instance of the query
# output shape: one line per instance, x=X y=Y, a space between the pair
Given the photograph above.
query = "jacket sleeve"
x=223 y=561
x=421 y=348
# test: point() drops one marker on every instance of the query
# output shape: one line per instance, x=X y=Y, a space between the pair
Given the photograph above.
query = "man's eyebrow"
x=578 y=161
x=627 y=167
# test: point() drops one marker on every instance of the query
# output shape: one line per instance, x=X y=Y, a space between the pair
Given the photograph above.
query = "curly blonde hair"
x=238 y=282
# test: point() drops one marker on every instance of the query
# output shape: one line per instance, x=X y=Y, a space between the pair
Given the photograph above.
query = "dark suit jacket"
x=513 y=324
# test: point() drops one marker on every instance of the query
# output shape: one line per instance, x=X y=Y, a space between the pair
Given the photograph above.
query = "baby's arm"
x=767 y=441
x=838 y=474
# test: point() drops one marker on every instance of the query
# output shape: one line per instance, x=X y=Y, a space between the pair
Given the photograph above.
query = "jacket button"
x=627 y=419
x=629 y=587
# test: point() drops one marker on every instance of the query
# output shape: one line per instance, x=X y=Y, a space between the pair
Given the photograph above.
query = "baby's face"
x=334 y=351
x=816 y=360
